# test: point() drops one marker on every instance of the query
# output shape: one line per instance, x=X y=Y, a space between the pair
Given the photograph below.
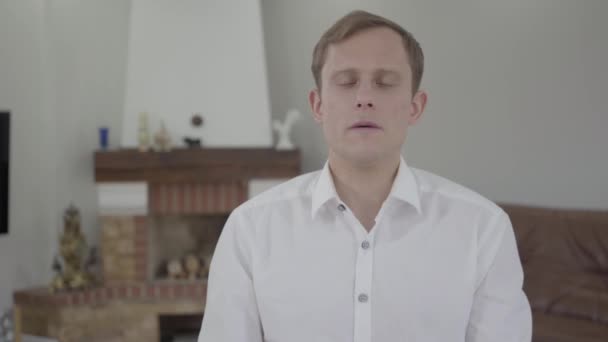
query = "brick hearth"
x=153 y=291
x=134 y=189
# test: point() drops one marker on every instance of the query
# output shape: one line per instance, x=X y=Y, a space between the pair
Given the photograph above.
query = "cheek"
x=335 y=110
x=339 y=99
x=399 y=110
x=405 y=108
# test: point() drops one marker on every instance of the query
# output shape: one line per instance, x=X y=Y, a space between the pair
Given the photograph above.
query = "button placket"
x=363 y=287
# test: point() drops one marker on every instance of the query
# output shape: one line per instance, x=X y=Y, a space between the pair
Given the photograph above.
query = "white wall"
x=517 y=91
x=87 y=62
x=22 y=82
x=192 y=56
x=62 y=74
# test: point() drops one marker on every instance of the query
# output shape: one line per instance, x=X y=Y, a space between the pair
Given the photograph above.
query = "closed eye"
x=384 y=84
x=387 y=79
x=347 y=84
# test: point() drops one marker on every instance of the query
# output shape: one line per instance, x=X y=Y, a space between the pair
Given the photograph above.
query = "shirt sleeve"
x=231 y=312
x=500 y=311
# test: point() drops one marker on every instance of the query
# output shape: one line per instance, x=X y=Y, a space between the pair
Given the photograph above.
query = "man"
x=367 y=249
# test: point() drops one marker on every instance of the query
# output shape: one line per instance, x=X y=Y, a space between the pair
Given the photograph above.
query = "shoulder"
x=439 y=190
x=451 y=202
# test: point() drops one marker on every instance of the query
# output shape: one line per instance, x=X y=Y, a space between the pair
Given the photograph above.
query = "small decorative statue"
x=196 y=121
x=283 y=129
x=162 y=140
x=175 y=269
x=143 y=133
x=71 y=273
x=192 y=142
x=193 y=266
x=6 y=327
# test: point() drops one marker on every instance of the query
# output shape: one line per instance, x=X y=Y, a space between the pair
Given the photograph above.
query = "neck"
x=364 y=186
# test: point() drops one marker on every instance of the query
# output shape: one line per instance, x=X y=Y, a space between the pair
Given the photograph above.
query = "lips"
x=364 y=124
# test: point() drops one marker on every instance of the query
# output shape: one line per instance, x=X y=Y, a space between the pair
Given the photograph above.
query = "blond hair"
x=355 y=22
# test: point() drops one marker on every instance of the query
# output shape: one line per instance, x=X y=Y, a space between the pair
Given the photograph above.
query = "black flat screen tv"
x=4 y=168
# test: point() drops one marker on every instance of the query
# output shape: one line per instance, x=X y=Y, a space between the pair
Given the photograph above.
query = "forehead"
x=369 y=50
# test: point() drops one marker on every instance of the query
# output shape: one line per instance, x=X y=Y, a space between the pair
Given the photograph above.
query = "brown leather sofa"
x=565 y=259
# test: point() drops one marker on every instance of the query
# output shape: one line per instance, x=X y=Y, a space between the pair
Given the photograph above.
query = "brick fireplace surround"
x=133 y=189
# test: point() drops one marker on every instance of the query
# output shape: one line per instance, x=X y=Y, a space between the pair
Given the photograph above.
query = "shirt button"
x=341 y=207
x=363 y=298
x=365 y=244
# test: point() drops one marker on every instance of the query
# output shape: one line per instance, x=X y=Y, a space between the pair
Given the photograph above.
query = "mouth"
x=365 y=125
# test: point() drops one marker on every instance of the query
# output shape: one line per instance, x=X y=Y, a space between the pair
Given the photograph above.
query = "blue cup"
x=103 y=137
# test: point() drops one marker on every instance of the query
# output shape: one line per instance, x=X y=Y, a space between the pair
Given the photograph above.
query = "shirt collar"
x=404 y=188
x=324 y=190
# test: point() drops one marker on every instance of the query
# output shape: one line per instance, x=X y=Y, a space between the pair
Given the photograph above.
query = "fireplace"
x=181 y=247
x=160 y=215
x=172 y=232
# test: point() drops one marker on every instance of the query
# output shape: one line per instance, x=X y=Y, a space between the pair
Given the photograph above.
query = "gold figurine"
x=71 y=273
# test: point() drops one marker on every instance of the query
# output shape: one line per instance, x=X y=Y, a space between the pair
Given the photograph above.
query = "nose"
x=365 y=105
x=365 y=96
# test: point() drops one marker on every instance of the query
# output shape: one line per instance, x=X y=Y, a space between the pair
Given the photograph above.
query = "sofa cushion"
x=562 y=239
x=564 y=255
x=552 y=328
x=579 y=295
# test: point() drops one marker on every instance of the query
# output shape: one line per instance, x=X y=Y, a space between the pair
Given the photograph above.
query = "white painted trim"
x=122 y=198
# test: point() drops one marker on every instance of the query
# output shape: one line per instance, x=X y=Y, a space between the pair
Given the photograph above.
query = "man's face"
x=365 y=104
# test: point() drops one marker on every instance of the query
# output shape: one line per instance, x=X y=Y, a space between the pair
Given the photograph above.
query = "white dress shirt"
x=294 y=264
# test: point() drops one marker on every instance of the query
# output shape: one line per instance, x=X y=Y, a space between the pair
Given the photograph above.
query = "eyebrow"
x=353 y=71
x=338 y=73
x=387 y=72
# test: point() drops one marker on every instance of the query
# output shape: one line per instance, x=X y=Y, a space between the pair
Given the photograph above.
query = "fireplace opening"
x=181 y=246
x=179 y=328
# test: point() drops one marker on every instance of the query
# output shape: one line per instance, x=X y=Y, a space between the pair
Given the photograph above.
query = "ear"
x=314 y=99
x=417 y=106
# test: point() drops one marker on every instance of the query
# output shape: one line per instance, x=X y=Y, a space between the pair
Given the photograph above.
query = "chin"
x=362 y=156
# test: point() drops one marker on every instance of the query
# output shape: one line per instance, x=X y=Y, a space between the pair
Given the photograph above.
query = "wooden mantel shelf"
x=195 y=165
